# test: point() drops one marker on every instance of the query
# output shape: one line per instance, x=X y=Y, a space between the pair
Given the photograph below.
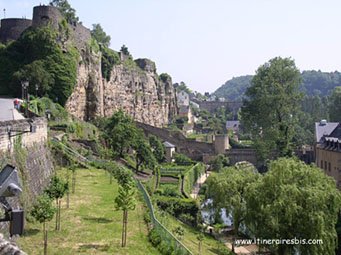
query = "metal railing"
x=168 y=236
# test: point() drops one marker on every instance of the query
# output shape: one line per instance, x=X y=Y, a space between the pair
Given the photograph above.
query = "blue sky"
x=206 y=42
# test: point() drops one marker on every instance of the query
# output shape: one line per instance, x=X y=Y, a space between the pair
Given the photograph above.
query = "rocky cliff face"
x=134 y=87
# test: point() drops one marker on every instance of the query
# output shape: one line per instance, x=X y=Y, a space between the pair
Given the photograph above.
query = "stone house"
x=186 y=112
x=183 y=98
x=328 y=149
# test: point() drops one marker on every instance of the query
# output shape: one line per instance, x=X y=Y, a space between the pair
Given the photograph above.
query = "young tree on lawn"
x=56 y=190
x=125 y=201
x=271 y=107
x=43 y=212
x=294 y=200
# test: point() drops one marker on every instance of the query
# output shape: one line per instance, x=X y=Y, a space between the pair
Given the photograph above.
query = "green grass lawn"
x=210 y=246
x=91 y=225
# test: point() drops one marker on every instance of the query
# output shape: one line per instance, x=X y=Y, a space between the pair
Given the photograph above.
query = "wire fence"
x=164 y=232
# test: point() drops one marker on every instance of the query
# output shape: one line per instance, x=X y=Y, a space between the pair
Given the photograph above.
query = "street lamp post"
x=24 y=86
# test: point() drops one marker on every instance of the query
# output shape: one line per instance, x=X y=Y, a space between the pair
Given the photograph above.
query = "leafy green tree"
x=143 y=154
x=124 y=50
x=219 y=162
x=38 y=55
x=335 y=105
x=56 y=190
x=125 y=201
x=182 y=159
x=294 y=200
x=270 y=109
x=157 y=148
x=120 y=133
x=43 y=211
x=182 y=87
x=37 y=75
x=98 y=33
x=228 y=189
x=67 y=11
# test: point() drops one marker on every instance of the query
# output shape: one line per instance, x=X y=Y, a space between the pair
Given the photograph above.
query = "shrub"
x=178 y=206
x=154 y=237
x=182 y=159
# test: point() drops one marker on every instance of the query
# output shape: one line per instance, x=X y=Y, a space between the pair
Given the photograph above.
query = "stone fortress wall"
x=11 y=29
x=32 y=131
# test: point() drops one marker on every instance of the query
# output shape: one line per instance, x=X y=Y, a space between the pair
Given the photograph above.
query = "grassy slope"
x=91 y=225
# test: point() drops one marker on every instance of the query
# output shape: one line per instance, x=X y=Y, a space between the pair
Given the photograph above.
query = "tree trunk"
x=125 y=229
x=123 y=226
x=59 y=207
x=68 y=190
x=68 y=199
x=73 y=181
x=56 y=227
x=45 y=238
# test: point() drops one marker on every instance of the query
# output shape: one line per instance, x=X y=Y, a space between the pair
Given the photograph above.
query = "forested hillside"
x=313 y=83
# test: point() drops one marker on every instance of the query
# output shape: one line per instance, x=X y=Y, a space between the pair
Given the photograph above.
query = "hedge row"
x=192 y=176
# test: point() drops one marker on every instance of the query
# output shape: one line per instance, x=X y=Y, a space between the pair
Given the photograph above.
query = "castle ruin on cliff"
x=12 y=28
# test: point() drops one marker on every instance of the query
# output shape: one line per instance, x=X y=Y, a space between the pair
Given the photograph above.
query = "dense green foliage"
x=109 y=59
x=182 y=159
x=43 y=210
x=157 y=148
x=143 y=153
x=57 y=188
x=165 y=77
x=119 y=132
x=191 y=176
x=228 y=189
x=66 y=10
x=37 y=57
x=235 y=88
x=182 y=87
x=101 y=37
x=335 y=105
x=271 y=107
x=294 y=200
x=313 y=83
x=183 y=208
x=219 y=162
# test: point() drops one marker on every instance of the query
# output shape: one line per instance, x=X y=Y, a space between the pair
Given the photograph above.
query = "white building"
x=183 y=98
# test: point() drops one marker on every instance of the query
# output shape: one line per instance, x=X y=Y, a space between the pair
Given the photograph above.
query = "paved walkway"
x=7 y=111
x=198 y=184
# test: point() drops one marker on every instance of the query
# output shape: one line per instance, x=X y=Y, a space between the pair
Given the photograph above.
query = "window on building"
x=321 y=164
x=325 y=165
x=329 y=167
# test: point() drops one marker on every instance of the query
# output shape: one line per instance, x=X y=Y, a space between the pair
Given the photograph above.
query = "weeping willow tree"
x=294 y=201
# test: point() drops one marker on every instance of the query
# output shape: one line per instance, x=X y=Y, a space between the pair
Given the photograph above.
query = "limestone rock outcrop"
x=135 y=88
